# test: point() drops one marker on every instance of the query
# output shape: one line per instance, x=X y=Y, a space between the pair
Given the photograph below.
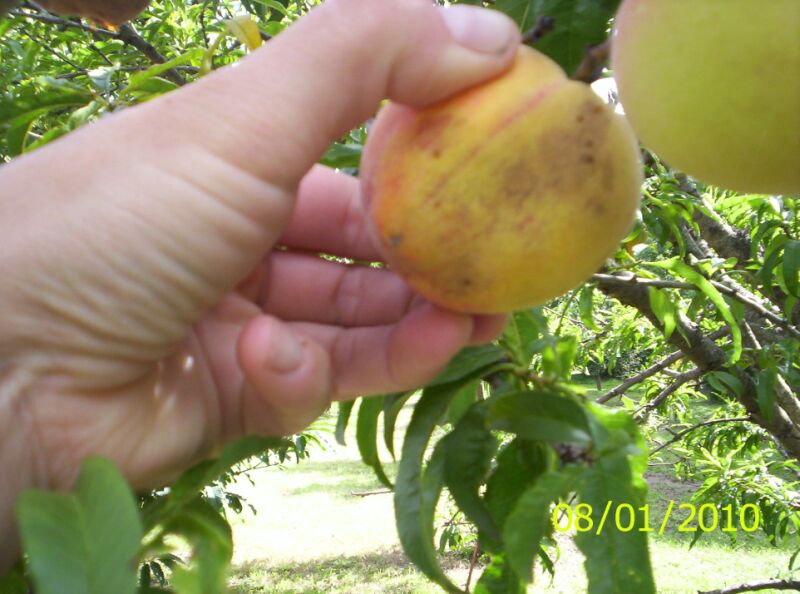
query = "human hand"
x=148 y=318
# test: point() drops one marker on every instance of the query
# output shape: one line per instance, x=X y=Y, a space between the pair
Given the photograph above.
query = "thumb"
x=185 y=194
x=276 y=111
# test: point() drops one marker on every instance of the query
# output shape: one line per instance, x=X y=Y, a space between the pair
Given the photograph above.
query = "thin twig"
x=473 y=562
x=543 y=26
x=594 y=62
x=683 y=378
x=681 y=434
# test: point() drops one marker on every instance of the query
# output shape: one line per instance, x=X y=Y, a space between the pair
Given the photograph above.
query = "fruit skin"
x=109 y=11
x=713 y=87
x=506 y=195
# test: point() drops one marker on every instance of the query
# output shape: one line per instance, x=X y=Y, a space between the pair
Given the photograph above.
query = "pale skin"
x=147 y=316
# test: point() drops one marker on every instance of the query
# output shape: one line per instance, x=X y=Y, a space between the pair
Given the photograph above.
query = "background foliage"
x=697 y=315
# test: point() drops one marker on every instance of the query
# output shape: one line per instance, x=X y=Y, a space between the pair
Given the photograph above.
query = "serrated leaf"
x=468 y=454
x=343 y=410
x=466 y=397
x=415 y=499
x=578 y=25
x=367 y=436
x=527 y=524
x=617 y=562
x=539 y=415
x=83 y=542
x=518 y=465
x=765 y=389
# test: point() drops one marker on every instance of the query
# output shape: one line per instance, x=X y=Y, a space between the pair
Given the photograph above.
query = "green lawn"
x=326 y=525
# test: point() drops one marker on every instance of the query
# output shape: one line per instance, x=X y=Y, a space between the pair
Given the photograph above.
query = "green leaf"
x=664 y=308
x=469 y=449
x=586 y=307
x=765 y=389
x=578 y=25
x=185 y=489
x=35 y=100
x=212 y=548
x=617 y=562
x=83 y=542
x=522 y=333
x=367 y=436
x=343 y=156
x=499 y=578
x=518 y=465
x=725 y=383
x=690 y=274
x=791 y=267
x=415 y=499
x=342 y=417
x=527 y=524
x=539 y=415
x=137 y=80
x=614 y=431
x=466 y=397
x=468 y=361
x=13 y=581
x=392 y=405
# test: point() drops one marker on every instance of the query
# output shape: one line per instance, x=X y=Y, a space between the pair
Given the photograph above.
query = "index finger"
x=329 y=217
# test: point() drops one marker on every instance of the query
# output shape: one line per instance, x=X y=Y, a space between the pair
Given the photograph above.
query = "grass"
x=327 y=526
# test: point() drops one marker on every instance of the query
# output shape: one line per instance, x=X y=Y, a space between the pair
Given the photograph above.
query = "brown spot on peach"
x=395 y=239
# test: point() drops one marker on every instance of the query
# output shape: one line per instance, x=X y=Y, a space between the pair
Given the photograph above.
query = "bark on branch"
x=755 y=586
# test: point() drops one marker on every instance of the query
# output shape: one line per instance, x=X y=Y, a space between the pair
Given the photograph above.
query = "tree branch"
x=542 y=27
x=681 y=379
x=680 y=435
x=754 y=586
x=640 y=377
x=708 y=356
x=127 y=34
x=735 y=293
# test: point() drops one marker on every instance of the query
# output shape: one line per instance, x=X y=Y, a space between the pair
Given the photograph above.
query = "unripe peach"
x=506 y=195
x=713 y=87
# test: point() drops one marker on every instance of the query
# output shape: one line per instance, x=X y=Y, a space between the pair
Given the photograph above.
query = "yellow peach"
x=505 y=196
x=713 y=87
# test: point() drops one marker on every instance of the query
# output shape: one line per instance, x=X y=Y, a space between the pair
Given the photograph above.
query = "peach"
x=713 y=87
x=505 y=196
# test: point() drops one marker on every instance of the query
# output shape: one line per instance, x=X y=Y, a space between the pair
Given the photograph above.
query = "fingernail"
x=285 y=353
x=479 y=29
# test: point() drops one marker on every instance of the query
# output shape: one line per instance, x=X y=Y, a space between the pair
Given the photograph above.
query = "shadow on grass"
x=384 y=571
